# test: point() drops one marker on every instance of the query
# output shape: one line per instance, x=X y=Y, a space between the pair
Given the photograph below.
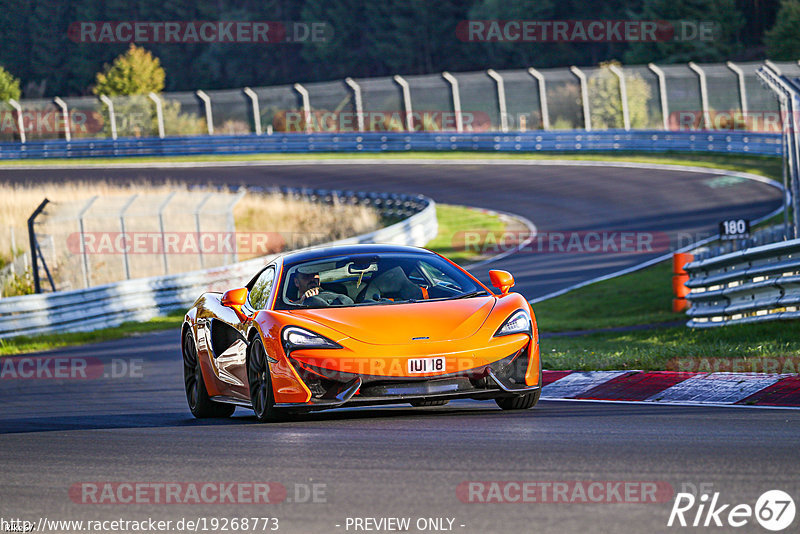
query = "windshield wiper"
x=469 y=295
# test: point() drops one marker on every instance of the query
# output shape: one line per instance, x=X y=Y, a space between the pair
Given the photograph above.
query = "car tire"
x=417 y=404
x=519 y=402
x=200 y=404
x=259 y=380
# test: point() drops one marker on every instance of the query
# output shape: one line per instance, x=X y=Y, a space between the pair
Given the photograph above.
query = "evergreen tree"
x=725 y=16
x=783 y=39
x=14 y=26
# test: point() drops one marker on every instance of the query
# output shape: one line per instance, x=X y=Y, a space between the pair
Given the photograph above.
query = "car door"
x=232 y=363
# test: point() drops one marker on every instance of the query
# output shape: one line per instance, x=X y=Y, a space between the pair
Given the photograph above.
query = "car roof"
x=302 y=256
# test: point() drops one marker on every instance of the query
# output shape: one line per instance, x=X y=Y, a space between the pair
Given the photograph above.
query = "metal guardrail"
x=142 y=299
x=763 y=236
x=753 y=285
x=736 y=142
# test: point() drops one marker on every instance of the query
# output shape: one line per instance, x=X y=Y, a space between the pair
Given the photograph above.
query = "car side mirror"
x=502 y=280
x=234 y=297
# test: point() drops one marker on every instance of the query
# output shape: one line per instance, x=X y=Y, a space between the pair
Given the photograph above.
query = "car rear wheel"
x=258 y=376
x=519 y=402
x=200 y=403
x=429 y=403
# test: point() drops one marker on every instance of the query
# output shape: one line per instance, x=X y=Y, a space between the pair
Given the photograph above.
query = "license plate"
x=426 y=365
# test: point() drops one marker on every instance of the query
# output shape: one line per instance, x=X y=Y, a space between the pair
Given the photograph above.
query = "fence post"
x=65 y=117
x=662 y=92
x=785 y=151
x=623 y=96
x=501 y=99
x=197 y=211
x=202 y=95
x=770 y=77
x=256 y=111
x=34 y=246
x=773 y=66
x=795 y=143
x=786 y=92
x=112 y=117
x=306 y=106
x=742 y=88
x=456 y=100
x=13 y=251
x=701 y=75
x=20 y=122
x=124 y=237
x=161 y=230
x=232 y=223
x=87 y=279
x=587 y=112
x=359 y=103
x=399 y=80
x=542 y=97
x=159 y=113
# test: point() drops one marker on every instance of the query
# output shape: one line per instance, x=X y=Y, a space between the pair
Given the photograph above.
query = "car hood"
x=399 y=324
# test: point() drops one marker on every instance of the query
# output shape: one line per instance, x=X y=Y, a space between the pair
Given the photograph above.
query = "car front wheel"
x=258 y=376
x=519 y=402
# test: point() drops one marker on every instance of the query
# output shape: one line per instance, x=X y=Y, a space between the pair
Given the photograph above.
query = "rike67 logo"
x=774 y=510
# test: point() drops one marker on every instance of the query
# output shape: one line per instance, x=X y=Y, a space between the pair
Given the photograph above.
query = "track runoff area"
x=99 y=448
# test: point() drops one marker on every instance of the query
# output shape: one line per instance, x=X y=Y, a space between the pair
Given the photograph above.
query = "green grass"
x=25 y=344
x=642 y=297
x=452 y=219
x=456 y=219
x=767 y=347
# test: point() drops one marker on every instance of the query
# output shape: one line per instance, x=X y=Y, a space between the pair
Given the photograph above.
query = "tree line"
x=370 y=38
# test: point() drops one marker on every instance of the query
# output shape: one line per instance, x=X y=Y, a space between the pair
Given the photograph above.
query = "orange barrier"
x=679 y=279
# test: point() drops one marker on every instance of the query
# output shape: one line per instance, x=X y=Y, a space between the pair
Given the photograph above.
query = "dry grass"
x=297 y=223
x=17 y=202
x=289 y=223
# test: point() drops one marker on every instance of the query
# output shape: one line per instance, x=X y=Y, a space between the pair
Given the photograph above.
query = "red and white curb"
x=669 y=387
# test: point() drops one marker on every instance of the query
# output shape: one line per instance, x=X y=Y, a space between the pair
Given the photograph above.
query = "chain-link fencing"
x=610 y=96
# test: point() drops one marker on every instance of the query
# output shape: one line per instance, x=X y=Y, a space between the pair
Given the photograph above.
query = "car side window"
x=259 y=295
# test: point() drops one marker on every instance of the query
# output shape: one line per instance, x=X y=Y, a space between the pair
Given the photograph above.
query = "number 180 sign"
x=734 y=229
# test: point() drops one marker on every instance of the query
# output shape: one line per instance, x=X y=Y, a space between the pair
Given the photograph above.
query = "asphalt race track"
x=674 y=207
x=128 y=421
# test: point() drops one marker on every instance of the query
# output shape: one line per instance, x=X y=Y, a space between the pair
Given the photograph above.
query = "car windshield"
x=373 y=279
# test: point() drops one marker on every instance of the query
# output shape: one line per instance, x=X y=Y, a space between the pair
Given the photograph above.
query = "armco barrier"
x=735 y=142
x=752 y=285
x=142 y=299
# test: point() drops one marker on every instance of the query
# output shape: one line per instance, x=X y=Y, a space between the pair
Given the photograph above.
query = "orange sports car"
x=360 y=325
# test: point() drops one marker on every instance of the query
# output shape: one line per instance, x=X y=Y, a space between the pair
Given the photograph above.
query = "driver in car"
x=307 y=285
x=311 y=294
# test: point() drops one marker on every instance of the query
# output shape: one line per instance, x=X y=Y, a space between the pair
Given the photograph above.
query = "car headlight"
x=295 y=337
x=518 y=322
